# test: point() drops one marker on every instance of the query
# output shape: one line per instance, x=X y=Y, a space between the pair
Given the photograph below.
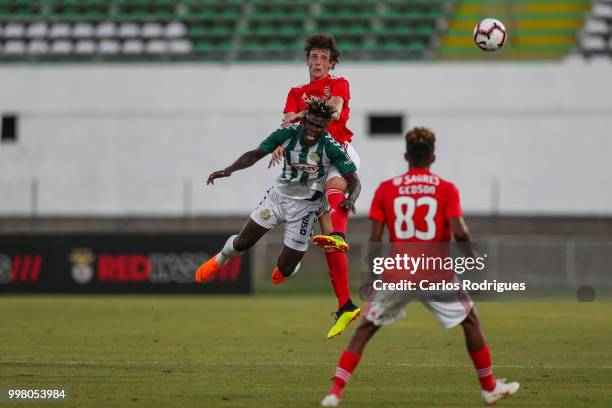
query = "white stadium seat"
x=133 y=47
x=129 y=30
x=38 y=47
x=14 y=30
x=601 y=9
x=60 y=30
x=85 y=47
x=180 y=47
x=157 y=47
x=593 y=26
x=106 y=30
x=593 y=43
x=83 y=30
x=37 y=30
x=61 y=47
x=14 y=47
x=152 y=30
x=108 y=47
x=175 y=30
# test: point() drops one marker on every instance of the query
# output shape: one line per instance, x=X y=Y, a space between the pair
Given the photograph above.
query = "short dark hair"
x=321 y=107
x=323 y=41
x=420 y=144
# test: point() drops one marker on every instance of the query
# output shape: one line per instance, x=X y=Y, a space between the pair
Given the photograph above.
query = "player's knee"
x=336 y=182
x=367 y=328
x=471 y=319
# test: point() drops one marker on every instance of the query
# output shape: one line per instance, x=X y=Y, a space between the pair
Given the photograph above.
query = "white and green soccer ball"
x=490 y=34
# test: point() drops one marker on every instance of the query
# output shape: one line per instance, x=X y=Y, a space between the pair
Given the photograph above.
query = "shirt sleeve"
x=377 y=208
x=340 y=158
x=291 y=105
x=341 y=88
x=277 y=138
x=453 y=207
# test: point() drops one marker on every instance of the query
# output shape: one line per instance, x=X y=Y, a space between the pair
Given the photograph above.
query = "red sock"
x=337 y=262
x=339 y=216
x=482 y=363
x=344 y=371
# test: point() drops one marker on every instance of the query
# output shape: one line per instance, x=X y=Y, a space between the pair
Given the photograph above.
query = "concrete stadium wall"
x=517 y=138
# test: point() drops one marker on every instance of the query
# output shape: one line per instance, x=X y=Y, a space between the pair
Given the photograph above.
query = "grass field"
x=270 y=351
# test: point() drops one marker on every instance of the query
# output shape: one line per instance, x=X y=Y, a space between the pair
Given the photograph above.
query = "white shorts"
x=387 y=306
x=333 y=171
x=299 y=217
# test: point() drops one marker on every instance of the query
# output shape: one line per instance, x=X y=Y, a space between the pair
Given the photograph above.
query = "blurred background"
x=115 y=112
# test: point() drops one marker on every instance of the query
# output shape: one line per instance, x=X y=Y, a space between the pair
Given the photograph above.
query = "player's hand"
x=290 y=118
x=277 y=156
x=348 y=205
x=218 y=174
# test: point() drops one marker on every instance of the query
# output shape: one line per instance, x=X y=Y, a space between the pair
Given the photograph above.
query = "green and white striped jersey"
x=305 y=167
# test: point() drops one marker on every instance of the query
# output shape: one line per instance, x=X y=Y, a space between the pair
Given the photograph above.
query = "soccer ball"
x=490 y=34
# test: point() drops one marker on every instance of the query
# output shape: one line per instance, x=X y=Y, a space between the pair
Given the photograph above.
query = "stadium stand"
x=596 y=35
x=216 y=30
x=538 y=29
x=258 y=30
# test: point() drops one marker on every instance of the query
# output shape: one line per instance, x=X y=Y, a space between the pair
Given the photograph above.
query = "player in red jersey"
x=321 y=57
x=419 y=206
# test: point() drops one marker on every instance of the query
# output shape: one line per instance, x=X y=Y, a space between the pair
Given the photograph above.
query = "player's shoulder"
x=298 y=88
x=445 y=185
x=330 y=142
x=337 y=79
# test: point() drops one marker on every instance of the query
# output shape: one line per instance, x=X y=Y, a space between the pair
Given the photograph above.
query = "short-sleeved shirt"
x=324 y=88
x=417 y=206
x=305 y=167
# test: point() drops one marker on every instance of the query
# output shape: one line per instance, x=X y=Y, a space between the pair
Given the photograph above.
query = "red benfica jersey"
x=416 y=207
x=324 y=88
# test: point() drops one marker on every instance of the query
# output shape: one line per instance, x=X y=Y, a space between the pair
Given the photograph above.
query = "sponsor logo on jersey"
x=308 y=168
x=265 y=214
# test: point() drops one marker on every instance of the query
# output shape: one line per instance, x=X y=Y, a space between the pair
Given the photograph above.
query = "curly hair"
x=420 y=144
x=323 y=41
x=321 y=107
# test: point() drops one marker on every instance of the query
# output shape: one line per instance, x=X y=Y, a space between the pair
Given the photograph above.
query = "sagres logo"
x=265 y=214
x=82 y=265
x=308 y=168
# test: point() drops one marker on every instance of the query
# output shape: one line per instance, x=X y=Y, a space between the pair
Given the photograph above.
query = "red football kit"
x=324 y=88
x=416 y=206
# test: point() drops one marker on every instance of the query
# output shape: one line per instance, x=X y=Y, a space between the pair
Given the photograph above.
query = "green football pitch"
x=271 y=351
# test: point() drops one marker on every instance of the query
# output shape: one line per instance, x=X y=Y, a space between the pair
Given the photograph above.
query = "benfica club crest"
x=327 y=92
x=82 y=265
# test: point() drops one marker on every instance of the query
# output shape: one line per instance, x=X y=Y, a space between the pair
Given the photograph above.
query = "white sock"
x=228 y=251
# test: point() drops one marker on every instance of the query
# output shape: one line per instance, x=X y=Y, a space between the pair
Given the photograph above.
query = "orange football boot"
x=207 y=269
x=277 y=277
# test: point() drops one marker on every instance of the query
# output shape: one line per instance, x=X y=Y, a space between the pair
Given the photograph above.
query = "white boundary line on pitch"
x=272 y=363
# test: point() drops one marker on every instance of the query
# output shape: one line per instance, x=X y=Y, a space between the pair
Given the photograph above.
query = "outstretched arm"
x=246 y=160
x=354 y=188
x=338 y=104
